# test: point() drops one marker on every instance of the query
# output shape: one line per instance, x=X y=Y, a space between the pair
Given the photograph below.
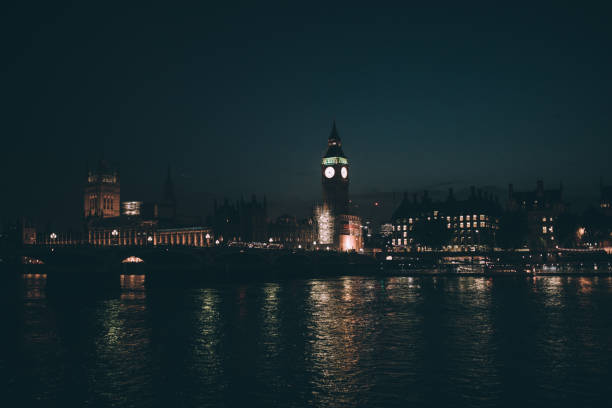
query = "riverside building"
x=451 y=225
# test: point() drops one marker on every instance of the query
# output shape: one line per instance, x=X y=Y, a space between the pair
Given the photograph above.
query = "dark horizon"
x=240 y=100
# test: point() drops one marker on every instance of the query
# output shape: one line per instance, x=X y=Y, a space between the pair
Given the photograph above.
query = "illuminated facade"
x=326 y=225
x=101 y=197
x=452 y=225
x=131 y=208
x=134 y=223
x=148 y=233
x=350 y=237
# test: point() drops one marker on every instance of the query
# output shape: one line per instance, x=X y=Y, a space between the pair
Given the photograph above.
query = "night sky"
x=240 y=98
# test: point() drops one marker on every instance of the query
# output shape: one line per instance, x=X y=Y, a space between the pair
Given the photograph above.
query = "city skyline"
x=305 y=204
x=237 y=100
x=374 y=204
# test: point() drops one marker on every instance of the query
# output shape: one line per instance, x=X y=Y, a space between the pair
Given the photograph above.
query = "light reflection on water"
x=427 y=341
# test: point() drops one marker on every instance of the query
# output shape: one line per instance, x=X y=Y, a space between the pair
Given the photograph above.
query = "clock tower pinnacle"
x=335 y=175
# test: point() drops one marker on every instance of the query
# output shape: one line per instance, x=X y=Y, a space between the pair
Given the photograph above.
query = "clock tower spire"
x=335 y=175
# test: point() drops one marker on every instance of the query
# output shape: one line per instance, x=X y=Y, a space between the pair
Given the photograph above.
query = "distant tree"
x=566 y=229
x=513 y=230
x=597 y=227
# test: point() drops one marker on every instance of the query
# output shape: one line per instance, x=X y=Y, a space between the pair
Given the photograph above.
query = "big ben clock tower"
x=336 y=227
x=335 y=175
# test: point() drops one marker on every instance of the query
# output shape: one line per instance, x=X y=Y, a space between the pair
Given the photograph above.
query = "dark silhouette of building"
x=541 y=208
x=242 y=222
x=292 y=233
x=167 y=204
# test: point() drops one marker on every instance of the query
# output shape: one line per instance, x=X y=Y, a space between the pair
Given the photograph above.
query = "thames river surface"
x=343 y=342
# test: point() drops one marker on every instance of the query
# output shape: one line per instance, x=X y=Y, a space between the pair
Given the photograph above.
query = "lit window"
x=482 y=217
x=405 y=242
x=447 y=218
x=550 y=229
x=393 y=241
x=404 y=227
x=435 y=213
x=461 y=218
x=448 y=225
x=410 y=220
x=467 y=217
x=468 y=225
x=544 y=230
x=544 y=219
x=482 y=224
x=461 y=225
x=405 y=234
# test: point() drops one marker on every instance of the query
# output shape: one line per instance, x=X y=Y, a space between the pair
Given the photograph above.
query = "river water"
x=343 y=342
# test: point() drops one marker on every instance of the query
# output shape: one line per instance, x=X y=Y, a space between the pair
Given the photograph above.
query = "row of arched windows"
x=107 y=204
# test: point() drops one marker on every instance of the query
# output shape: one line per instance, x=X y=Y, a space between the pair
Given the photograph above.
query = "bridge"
x=211 y=262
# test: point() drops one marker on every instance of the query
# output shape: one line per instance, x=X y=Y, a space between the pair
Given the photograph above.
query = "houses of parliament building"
x=108 y=221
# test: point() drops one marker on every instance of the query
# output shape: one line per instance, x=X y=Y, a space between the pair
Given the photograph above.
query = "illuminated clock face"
x=344 y=172
x=329 y=172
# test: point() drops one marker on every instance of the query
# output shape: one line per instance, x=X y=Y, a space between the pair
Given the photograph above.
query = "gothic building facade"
x=292 y=233
x=244 y=221
x=102 y=195
x=134 y=223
